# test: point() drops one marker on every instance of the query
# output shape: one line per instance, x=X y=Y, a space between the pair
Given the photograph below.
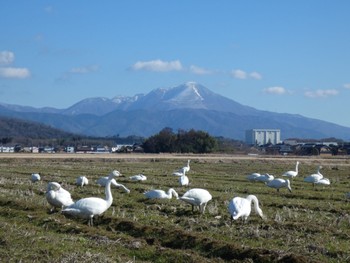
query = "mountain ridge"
x=187 y=106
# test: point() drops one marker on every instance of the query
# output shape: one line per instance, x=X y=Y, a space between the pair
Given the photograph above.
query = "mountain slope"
x=188 y=106
x=10 y=127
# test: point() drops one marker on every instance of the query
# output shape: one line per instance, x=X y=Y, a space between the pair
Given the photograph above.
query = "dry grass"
x=303 y=226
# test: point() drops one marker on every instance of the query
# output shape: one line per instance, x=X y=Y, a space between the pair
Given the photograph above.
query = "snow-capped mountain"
x=188 y=106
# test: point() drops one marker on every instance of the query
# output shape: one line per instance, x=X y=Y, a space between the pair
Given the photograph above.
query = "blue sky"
x=281 y=56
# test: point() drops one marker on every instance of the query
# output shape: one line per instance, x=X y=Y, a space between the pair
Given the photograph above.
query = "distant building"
x=263 y=136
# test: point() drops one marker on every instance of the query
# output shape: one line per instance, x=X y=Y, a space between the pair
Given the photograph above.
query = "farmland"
x=310 y=224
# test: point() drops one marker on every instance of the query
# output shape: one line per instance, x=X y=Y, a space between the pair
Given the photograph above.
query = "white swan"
x=265 y=178
x=314 y=178
x=241 y=207
x=87 y=208
x=102 y=181
x=183 y=180
x=292 y=174
x=197 y=197
x=183 y=170
x=324 y=181
x=279 y=183
x=160 y=194
x=35 y=177
x=138 y=177
x=253 y=177
x=57 y=197
x=81 y=181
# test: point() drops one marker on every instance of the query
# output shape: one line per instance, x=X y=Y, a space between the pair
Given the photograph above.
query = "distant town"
x=257 y=141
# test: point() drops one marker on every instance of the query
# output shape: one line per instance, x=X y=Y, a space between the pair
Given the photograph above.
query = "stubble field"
x=307 y=225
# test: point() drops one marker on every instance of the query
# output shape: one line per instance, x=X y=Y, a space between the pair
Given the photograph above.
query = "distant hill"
x=188 y=106
x=16 y=128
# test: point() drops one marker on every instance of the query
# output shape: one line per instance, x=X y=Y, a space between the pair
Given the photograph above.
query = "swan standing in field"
x=138 y=177
x=292 y=174
x=160 y=194
x=314 y=178
x=35 y=177
x=279 y=183
x=197 y=197
x=183 y=180
x=81 y=181
x=183 y=170
x=89 y=207
x=102 y=181
x=57 y=197
x=241 y=207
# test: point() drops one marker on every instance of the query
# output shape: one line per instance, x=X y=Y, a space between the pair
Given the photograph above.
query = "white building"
x=263 y=136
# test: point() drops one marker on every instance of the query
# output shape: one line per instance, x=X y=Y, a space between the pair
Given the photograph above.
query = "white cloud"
x=321 y=93
x=16 y=73
x=255 y=75
x=200 y=71
x=347 y=85
x=158 y=65
x=276 y=90
x=6 y=57
x=238 y=74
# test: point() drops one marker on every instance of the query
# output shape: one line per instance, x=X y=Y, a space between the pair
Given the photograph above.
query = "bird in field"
x=138 y=177
x=253 y=177
x=292 y=174
x=102 y=181
x=183 y=170
x=241 y=207
x=265 y=178
x=183 y=180
x=81 y=181
x=323 y=181
x=160 y=194
x=314 y=178
x=57 y=197
x=197 y=197
x=89 y=207
x=279 y=183
x=35 y=177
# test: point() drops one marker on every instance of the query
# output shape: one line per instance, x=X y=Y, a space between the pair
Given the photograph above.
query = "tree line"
x=191 y=141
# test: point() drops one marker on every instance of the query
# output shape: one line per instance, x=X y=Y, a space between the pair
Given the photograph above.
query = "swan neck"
x=108 y=192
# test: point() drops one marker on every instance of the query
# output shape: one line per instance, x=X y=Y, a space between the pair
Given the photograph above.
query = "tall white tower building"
x=263 y=136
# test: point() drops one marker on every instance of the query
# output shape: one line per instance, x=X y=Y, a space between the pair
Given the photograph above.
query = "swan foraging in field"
x=197 y=197
x=138 y=177
x=292 y=174
x=35 y=177
x=160 y=194
x=265 y=178
x=324 y=181
x=279 y=183
x=81 y=181
x=183 y=180
x=57 y=197
x=102 y=181
x=314 y=178
x=89 y=207
x=183 y=170
x=241 y=207
x=253 y=177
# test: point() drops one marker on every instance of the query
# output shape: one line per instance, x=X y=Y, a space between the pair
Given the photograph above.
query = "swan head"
x=114 y=173
x=171 y=190
x=53 y=186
